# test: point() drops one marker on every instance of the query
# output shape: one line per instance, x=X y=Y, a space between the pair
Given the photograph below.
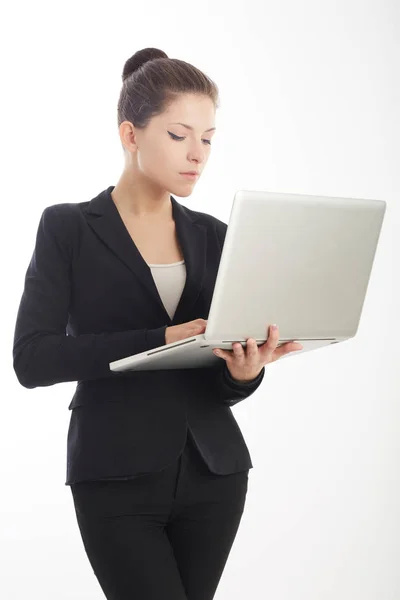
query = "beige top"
x=170 y=280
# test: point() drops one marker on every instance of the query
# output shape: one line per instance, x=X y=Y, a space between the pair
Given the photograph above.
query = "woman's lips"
x=190 y=175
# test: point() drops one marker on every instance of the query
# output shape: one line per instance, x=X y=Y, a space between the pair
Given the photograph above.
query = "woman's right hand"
x=185 y=330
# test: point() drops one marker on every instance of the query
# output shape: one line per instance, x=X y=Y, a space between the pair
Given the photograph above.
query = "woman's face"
x=165 y=149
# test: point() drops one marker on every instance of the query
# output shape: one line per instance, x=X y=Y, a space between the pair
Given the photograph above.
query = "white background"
x=310 y=101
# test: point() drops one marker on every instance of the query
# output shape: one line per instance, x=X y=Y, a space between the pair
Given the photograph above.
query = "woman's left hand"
x=245 y=365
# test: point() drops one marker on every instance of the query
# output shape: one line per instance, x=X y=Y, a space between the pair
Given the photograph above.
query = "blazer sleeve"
x=228 y=390
x=43 y=353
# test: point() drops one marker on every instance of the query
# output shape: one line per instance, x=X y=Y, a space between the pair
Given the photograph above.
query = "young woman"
x=156 y=463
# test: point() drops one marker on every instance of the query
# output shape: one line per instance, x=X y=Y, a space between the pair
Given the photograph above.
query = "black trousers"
x=164 y=535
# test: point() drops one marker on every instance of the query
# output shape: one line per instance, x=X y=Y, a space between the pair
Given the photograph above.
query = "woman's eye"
x=179 y=139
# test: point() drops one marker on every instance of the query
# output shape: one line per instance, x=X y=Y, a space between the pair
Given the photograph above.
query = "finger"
x=293 y=346
x=251 y=349
x=272 y=340
x=238 y=351
x=238 y=348
x=287 y=348
x=220 y=353
x=297 y=346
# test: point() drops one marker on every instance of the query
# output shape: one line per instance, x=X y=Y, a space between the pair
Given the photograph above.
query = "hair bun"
x=139 y=58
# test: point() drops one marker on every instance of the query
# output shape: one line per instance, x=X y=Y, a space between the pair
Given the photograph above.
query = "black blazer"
x=89 y=298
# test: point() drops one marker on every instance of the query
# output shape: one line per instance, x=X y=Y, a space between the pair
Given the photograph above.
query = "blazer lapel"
x=103 y=217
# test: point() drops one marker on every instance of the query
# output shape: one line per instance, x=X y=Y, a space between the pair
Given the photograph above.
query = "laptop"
x=301 y=261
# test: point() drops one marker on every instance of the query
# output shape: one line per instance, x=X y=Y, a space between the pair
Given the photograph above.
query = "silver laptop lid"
x=311 y=260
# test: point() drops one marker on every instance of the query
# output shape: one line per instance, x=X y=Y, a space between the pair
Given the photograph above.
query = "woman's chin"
x=182 y=191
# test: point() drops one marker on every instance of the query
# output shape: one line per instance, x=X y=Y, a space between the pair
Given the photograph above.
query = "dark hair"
x=152 y=81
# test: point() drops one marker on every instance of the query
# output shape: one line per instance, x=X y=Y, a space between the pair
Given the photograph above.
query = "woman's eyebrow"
x=191 y=128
